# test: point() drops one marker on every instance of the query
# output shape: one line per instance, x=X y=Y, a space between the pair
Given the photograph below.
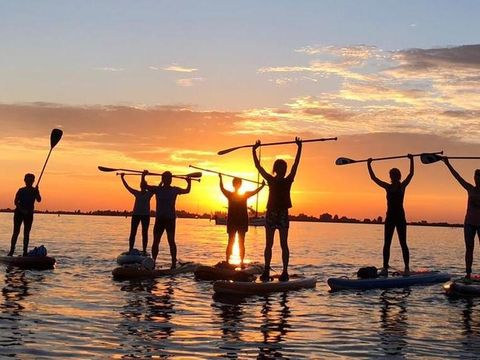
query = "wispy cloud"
x=175 y=68
x=109 y=68
x=188 y=82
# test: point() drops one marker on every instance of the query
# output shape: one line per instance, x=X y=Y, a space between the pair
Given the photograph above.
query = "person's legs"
x=285 y=253
x=17 y=223
x=269 y=234
x=241 y=245
x=231 y=241
x=469 y=236
x=171 y=242
x=145 y=224
x=27 y=226
x=133 y=231
x=387 y=242
x=158 y=230
x=402 y=237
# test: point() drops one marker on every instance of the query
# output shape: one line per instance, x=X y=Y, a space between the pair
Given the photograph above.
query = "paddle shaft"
x=155 y=174
x=226 y=151
x=223 y=174
x=392 y=157
x=463 y=157
x=44 y=166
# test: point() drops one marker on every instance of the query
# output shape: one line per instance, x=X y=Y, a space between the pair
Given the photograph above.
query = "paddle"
x=220 y=173
x=346 y=161
x=55 y=137
x=433 y=158
x=139 y=172
x=193 y=176
x=226 y=151
x=107 y=169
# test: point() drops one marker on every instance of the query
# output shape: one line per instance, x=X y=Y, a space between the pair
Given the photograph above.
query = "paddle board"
x=260 y=288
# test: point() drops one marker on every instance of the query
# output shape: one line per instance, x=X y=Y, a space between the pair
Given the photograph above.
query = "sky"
x=160 y=85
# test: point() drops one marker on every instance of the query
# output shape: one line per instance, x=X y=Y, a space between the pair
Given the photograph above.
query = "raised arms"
x=128 y=187
x=375 y=179
x=222 y=188
x=466 y=185
x=256 y=161
x=254 y=192
x=188 y=188
x=410 y=174
x=293 y=171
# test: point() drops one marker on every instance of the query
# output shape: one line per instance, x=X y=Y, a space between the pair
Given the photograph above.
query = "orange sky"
x=167 y=138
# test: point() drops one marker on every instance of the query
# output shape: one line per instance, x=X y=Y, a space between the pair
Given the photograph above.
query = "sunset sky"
x=160 y=85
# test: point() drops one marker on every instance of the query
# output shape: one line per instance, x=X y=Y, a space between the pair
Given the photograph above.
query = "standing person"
x=166 y=196
x=472 y=217
x=395 y=217
x=24 y=208
x=141 y=214
x=237 y=217
x=277 y=207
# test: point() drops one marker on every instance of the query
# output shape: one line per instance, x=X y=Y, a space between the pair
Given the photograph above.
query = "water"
x=78 y=311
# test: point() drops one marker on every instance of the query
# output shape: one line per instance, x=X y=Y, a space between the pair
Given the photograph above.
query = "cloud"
x=175 y=68
x=188 y=82
x=109 y=68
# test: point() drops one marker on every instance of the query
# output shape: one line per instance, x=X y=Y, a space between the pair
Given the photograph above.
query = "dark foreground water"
x=78 y=311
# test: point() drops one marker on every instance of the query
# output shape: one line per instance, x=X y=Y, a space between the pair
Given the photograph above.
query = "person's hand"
x=220 y=176
x=298 y=141
x=445 y=159
x=410 y=156
x=263 y=182
x=369 y=161
x=122 y=175
x=257 y=144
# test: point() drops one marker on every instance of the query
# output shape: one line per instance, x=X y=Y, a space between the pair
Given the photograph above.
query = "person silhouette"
x=278 y=204
x=237 y=217
x=395 y=217
x=471 y=224
x=140 y=214
x=24 y=207
x=165 y=216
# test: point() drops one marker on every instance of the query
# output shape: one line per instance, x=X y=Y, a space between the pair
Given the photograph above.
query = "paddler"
x=237 y=217
x=278 y=204
x=24 y=207
x=165 y=217
x=140 y=214
x=472 y=217
x=395 y=218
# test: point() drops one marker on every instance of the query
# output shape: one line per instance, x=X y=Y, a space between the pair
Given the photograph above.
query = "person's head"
x=167 y=178
x=395 y=175
x=29 y=179
x=280 y=167
x=476 y=176
x=237 y=183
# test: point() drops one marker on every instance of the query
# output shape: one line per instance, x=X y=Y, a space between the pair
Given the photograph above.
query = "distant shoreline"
x=186 y=215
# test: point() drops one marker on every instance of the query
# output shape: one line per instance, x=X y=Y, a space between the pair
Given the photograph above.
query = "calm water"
x=78 y=311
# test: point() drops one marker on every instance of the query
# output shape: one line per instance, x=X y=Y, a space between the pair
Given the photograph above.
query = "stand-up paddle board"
x=228 y=272
x=413 y=279
x=463 y=287
x=29 y=262
x=260 y=288
x=131 y=258
x=137 y=271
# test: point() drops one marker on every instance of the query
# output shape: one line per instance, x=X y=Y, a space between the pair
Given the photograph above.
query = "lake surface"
x=78 y=311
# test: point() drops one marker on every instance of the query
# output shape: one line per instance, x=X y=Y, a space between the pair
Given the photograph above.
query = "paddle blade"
x=344 y=161
x=430 y=158
x=226 y=151
x=195 y=175
x=106 y=169
x=55 y=137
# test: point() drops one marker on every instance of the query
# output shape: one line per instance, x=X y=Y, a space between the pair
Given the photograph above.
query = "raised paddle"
x=139 y=172
x=226 y=151
x=55 y=137
x=229 y=175
x=433 y=158
x=195 y=176
x=347 y=161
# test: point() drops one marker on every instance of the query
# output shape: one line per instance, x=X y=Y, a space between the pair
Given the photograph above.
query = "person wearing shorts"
x=140 y=215
x=165 y=216
x=24 y=207
x=277 y=207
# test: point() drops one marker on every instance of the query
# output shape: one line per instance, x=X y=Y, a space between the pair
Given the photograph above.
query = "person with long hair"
x=279 y=202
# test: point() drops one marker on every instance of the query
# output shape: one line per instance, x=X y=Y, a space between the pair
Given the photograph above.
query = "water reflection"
x=394 y=321
x=231 y=313
x=471 y=327
x=147 y=317
x=16 y=289
x=274 y=326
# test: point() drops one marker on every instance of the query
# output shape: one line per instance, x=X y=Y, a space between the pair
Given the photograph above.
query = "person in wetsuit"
x=277 y=207
x=165 y=217
x=395 y=218
x=141 y=214
x=472 y=217
x=24 y=208
x=237 y=217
